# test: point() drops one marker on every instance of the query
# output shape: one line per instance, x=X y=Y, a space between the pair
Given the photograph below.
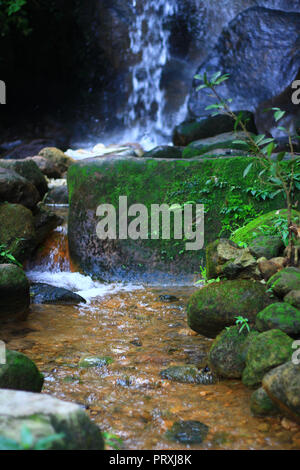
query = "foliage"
x=7 y=257
x=13 y=15
x=243 y=322
x=203 y=272
x=27 y=441
x=283 y=178
x=111 y=440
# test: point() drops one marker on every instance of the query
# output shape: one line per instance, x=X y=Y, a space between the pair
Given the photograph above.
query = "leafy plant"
x=13 y=15
x=243 y=322
x=112 y=440
x=7 y=256
x=27 y=441
x=203 y=273
x=283 y=176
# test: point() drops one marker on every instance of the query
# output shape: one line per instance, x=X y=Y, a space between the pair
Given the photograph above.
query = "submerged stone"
x=95 y=361
x=188 y=374
x=188 y=432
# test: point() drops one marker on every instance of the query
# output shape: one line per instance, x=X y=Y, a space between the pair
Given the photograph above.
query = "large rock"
x=20 y=373
x=46 y=294
x=266 y=246
x=280 y=315
x=45 y=416
x=227 y=355
x=14 y=293
x=261 y=404
x=223 y=143
x=58 y=195
x=207 y=127
x=18 y=232
x=245 y=37
x=164 y=151
x=283 y=387
x=46 y=166
x=56 y=156
x=214 y=307
x=266 y=351
x=293 y=298
x=16 y=189
x=44 y=222
x=284 y=281
x=30 y=171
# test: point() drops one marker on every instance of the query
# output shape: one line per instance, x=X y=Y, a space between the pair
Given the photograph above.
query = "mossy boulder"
x=266 y=246
x=20 y=373
x=261 y=404
x=281 y=316
x=227 y=355
x=215 y=306
x=45 y=416
x=222 y=142
x=17 y=233
x=16 y=189
x=14 y=293
x=284 y=281
x=189 y=131
x=164 y=151
x=59 y=158
x=283 y=387
x=293 y=298
x=266 y=351
x=255 y=228
x=30 y=171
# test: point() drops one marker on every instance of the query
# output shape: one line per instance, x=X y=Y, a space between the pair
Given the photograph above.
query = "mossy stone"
x=164 y=151
x=279 y=315
x=20 y=373
x=293 y=298
x=261 y=404
x=227 y=355
x=266 y=351
x=266 y=246
x=94 y=361
x=215 y=306
x=284 y=281
x=14 y=293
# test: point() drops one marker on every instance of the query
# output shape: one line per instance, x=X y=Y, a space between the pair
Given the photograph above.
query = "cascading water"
x=149 y=42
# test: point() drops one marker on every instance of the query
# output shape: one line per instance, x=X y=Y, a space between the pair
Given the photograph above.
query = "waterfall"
x=149 y=39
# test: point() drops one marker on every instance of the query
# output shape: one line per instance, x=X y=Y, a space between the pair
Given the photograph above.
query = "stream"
x=143 y=335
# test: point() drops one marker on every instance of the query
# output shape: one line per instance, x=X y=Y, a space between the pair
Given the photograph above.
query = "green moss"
x=20 y=373
x=261 y=404
x=284 y=281
x=279 y=315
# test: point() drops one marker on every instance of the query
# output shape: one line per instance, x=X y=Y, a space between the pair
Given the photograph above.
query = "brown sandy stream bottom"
x=128 y=398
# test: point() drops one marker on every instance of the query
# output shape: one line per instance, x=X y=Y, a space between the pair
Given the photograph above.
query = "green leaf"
x=44 y=444
x=247 y=170
x=26 y=438
x=280 y=156
x=278 y=115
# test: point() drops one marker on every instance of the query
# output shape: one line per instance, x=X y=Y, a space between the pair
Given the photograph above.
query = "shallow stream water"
x=143 y=336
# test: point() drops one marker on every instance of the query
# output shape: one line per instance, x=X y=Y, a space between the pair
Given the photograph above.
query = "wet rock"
x=16 y=189
x=188 y=432
x=17 y=234
x=30 y=171
x=27 y=149
x=14 y=293
x=261 y=404
x=293 y=298
x=188 y=374
x=283 y=387
x=44 y=222
x=164 y=151
x=202 y=128
x=168 y=298
x=58 y=195
x=136 y=342
x=243 y=38
x=227 y=355
x=20 y=373
x=266 y=246
x=45 y=416
x=94 y=361
x=221 y=142
x=266 y=351
x=284 y=281
x=270 y=267
x=218 y=253
x=59 y=158
x=244 y=266
x=215 y=306
x=46 y=294
x=46 y=166
x=279 y=315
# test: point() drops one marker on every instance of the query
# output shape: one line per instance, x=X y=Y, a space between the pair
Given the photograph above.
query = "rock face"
x=227 y=356
x=164 y=151
x=16 y=189
x=20 y=373
x=45 y=416
x=284 y=281
x=280 y=315
x=14 y=293
x=266 y=351
x=283 y=386
x=214 y=307
x=245 y=37
x=46 y=294
x=266 y=246
x=261 y=404
x=223 y=143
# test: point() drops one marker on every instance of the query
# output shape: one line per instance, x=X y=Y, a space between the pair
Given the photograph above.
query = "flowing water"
x=143 y=335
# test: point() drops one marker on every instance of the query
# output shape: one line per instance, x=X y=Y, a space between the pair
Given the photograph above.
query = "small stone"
x=187 y=432
x=94 y=361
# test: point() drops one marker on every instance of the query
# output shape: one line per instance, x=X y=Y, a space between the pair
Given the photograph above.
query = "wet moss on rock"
x=280 y=316
x=20 y=373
